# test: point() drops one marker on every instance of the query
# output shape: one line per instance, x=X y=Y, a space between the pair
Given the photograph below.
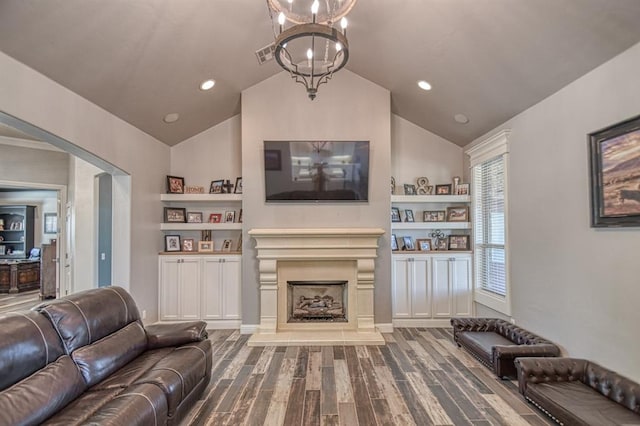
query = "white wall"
x=571 y=283
x=347 y=108
x=19 y=164
x=35 y=99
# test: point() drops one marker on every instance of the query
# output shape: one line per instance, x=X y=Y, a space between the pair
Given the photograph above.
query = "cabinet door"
x=231 y=283
x=169 y=288
x=190 y=288
x=420 y=297
x=400 y=284
x=211 y=288
x=441 y=287
x=461 y=285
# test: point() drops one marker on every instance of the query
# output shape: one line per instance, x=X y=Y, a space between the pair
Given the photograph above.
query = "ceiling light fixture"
x=171 y=118
x=461 y=118
x=424 y=85
x=311 y=49
x=206 y=85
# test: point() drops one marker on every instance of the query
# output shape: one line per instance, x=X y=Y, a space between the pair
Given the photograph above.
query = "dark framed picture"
x=216 y=187
x=175 y=185
x=458 y=214
x=433 y=216
x=238 y=188
x=50 y=223
x=226 y=245
x=175 y=215
x=458 y=242
x=442 y=244
x=215 y=218
x=462 y=189
x=443 y=189
x=240 y=216
x=188 y=244
x=394 y=243
x=408 y=244
x=395 y=214
x=272 y=159
x=615 y=175
x=408 y=216
x=409 y=189
x=194 y=217
x=424 y=244
x=172 y=243
x=230 y=216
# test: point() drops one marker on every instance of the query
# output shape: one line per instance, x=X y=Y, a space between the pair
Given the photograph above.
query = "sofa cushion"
x=85 y=317
x=100 y=359
x=42 y=394
x=133 y=370
x=27 y=344
x=83 y=407
x=481 y=343
x=576 y=403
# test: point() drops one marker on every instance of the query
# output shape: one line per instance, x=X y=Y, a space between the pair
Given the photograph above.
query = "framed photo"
x=458 y=214
x=394 y=243
x=226 y=245
x=238 y=188
x=408 y=244
x=442 y=244
x=443 y=189
x=216 y=187
x=395 y=214
x=188 y=244
x=215 y=218
x=424 y=244
x=433 y=216
x=230 y=216
x=240 y=216
x=458 y=242
x=272 y=159
x=175 y=215
x=205 y=246
x=172 y=243
x=615 y=175
x=175 y=185
x=194 y=217
x=240 y=243
x=50 y=223
x=462 y=189
x=408 y=216
x=409 y=189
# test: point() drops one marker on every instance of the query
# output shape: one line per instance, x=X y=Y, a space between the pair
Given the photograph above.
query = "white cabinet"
x=428 y=289
x=206 y=287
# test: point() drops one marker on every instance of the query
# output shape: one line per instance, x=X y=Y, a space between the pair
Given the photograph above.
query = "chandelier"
x=307 y=44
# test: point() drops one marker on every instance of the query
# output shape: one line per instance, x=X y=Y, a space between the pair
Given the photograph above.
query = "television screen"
x=316 y=171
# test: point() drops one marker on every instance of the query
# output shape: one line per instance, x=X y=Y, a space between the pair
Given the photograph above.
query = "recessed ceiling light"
x=424 y=85
x=206 y=85
x=171 y=118
x=461 y=118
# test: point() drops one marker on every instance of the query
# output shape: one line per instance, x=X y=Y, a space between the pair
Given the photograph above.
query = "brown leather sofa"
x=579 y=392
x=87 y=359
x=497 y=343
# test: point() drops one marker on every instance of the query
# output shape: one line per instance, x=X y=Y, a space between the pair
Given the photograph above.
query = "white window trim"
x=494 y=146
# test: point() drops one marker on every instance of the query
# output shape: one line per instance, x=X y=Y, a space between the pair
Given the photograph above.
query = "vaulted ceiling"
x=487 y=59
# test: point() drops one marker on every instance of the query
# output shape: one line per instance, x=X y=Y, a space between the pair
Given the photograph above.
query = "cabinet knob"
x=452 y=259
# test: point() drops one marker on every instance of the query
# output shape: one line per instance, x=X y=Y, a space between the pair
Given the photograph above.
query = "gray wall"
x=20 y=164
x=573 y=284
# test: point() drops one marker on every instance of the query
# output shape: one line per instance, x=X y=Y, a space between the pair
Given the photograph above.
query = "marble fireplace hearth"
x=318 y=254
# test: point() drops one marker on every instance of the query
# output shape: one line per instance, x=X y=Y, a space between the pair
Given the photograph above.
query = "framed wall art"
x=395 y=214
x=194 y=217
x=443 y=189
x=433 y=216
x=458 y=214
x=175 y=185
x=188 y=244
x=394 y=243
x=172 y=243
x=615 y=175
x=175 y=215
x=458 y=242
x=424 y=244
x=216 y=187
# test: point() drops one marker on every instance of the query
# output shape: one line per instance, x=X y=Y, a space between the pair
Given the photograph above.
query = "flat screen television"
x=316 y=171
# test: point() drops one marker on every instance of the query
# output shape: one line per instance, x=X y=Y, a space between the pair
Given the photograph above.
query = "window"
x=489 y=201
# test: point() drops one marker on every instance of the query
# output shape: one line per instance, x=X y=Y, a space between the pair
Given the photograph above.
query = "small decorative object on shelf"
x=175 y=185
x=442 y=245
x=240 y=243
x=422 y=182
x=205 y=246
x=458 y=214
x=194 y=189
x=424 y=244
x=226 y=245
x=408 y=216
x=439 y=240
x=230 y=216
x=205 y=235
x=394 y=242
x=463 y=189
x=227 y=187
x=443 y=189
x=194 y=217
x=456 y=182
x=458 y=242
x=188 y=244
x=216 y=186
x=393 y=185
x=409 y=189
x=238 y=188
x=408 y=244
x=395 y=214
x=175 y=215
x=172 y=243
x=215 y=218
x=429 y=190
x=240 y=216
x=433 y=216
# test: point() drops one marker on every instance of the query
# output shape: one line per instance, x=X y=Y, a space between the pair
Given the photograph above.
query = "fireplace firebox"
x=317 y=301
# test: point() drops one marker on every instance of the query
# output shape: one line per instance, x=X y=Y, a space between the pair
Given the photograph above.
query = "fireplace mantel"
x=283 y=250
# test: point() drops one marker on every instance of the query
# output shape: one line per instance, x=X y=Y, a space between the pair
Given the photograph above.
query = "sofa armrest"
x=471 y=324
x=503 y=356
x=176 y=334
x=548 y=369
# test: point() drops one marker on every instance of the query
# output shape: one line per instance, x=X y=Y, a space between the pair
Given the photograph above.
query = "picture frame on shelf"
x=230 y=216
x=395 y=214
x=188 y=244
x=215 y=218
x=194 y=217
x=175 y=215
x=226 y=246
x=205 y=246
x=408 y=215
x=442 y=244
x=238 y=187
x=458 y=214
x=458 y=242
x=172 y=243
x=409 y=189
x=443 y=189
x=216 y=186
x=424 y=244
x=50 y=223
x=394 y=242
x=434 y=216
x=614 y=154
x=408 y=244
x=240 y=216
x=175 y=185
x=240 y=243
x=462 y=189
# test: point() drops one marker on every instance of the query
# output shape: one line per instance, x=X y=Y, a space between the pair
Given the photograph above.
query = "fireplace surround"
x=345 y=255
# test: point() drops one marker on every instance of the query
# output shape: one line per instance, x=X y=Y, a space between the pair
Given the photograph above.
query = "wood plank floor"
x=419 y=378
x=19 y=301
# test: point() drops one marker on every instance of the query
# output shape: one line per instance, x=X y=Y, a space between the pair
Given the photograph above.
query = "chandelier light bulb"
x=343 y=23
x=314 y=7
x=281 y=18
x=309 y=54
x=290 y=1
x=338 y=47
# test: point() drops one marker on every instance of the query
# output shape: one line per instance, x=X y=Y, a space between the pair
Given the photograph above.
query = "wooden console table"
x=18 y=276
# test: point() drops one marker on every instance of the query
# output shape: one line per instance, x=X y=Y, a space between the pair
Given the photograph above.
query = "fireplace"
x=317 y=301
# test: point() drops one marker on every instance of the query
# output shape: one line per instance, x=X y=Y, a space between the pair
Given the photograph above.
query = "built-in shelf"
x=430 y=199
x=205 y=198
x=200 y=226
x=430 y=225
x=200 y=253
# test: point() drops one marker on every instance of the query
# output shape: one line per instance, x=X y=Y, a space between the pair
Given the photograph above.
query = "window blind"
x=489 y=225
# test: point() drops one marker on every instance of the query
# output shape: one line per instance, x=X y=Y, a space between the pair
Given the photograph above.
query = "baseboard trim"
x=385 y=328
x=248 y=328
x=418 y=322
x=223 y=324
